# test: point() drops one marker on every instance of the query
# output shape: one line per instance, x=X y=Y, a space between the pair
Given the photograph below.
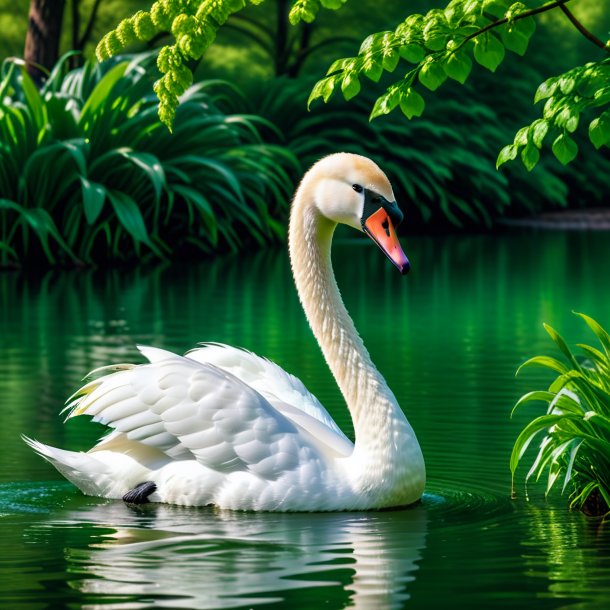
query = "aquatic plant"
x=575 y=447
x=87 y=168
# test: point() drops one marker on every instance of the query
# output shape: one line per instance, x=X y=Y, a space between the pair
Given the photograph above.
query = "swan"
x=223 y=427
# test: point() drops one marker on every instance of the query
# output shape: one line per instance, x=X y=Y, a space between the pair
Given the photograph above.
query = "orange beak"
x=379 y=227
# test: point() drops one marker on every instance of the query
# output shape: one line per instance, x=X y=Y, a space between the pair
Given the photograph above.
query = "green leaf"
x=527 y=434
x=530 y=155
x=458 y=66
x=34 y=102
x=562 y=345
x=390 y=59
x=99 y=95
x=547 y=362
x=372 y=68
x=546 y=89
x=538 y=130
x=350 y=86
x=129 y=216
x=488 y=51
x=94 y=196
x=600 y=333
x=432 y=75
x=412 y=52
x=386 y=103
x=323 y=88
x=508 y=153
x=599 y=130
x=514 y=38
x=565 y=149
x=411 y=103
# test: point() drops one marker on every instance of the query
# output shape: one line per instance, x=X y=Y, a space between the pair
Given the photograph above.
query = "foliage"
x=575 y=448
x=193 y=25
x=439 y=45
x=442 y=166
x=86 y=167
x=567 y=97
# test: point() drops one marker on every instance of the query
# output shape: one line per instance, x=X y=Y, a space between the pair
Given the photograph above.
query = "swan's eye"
x=357 y=188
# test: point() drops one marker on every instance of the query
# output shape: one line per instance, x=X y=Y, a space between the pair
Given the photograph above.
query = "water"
x=448 y=338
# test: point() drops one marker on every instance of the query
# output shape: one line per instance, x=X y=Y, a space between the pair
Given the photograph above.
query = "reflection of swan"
x=174 y=557
x=224 y=427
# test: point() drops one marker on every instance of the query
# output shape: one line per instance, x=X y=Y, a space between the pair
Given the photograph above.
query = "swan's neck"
x=386 y=449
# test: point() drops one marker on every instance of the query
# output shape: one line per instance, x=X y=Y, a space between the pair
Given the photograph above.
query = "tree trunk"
x=42 y=38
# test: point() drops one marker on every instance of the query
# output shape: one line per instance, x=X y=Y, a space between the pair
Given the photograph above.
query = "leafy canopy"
x=443 y=43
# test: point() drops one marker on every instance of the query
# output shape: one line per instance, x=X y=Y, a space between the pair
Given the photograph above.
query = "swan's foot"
x=139 y=494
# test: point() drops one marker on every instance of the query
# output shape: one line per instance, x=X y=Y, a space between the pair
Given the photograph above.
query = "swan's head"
x=352 y=190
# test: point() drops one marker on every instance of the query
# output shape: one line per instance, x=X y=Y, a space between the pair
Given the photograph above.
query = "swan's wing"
x=192 y=410
x=267 y=378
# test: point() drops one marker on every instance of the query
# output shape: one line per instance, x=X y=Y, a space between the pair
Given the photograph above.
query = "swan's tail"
x=87 y=473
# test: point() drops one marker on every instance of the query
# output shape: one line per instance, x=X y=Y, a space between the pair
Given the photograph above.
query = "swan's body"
x=221 y=426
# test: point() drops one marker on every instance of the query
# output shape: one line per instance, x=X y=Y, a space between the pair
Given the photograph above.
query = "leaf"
x=547 y=362
x=34 y=102
x=94 y=196
x=386 y=103
x=99 y=95
x=546 y=89
x=562 y=345
x=458 y=66
x=412 y=52
x=514 y=38
x=488 y=51
x=432 y=75
x=600 y=333
x=350 y=86
x=411 y=103
x=390 y=59
x=323 y=88
x=527 y=434
x=538 y=129
x=599 y=130
x=508 y=153
x=565 y=149
x=530 y=155
x=129 y=216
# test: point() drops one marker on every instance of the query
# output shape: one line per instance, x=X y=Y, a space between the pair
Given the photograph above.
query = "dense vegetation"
x=440 y=44
x=87 y=171
x=575 y=448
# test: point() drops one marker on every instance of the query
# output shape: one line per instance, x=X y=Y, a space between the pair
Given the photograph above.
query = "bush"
x=88 y=170
x=575 y=448
x=444 y=165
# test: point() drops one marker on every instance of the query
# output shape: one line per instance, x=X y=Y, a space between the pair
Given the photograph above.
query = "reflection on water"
x=185 y=558
x=448 y=338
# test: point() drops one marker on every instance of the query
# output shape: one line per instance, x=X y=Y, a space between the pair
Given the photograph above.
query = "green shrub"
x=88 y=170
x=443 y=165
x=575 y=448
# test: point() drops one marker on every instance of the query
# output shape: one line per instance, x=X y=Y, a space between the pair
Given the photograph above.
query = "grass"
x=575 y=449
x=89 y=174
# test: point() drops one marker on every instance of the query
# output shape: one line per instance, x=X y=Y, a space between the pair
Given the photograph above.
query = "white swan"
x=221 y=426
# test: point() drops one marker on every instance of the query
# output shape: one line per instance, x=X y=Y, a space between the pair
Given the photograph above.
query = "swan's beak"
x=380 y=228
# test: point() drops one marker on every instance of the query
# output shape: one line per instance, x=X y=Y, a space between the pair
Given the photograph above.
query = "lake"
x=448 y=338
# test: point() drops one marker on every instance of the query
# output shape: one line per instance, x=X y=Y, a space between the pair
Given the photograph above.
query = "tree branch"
x=583 y=30
x=534 y=11
x=87 y=33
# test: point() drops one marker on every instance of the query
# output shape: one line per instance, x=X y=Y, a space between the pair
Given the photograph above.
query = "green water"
x=448 y=338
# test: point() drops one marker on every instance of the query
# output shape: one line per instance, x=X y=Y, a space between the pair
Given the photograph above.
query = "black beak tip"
x=405 y=268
